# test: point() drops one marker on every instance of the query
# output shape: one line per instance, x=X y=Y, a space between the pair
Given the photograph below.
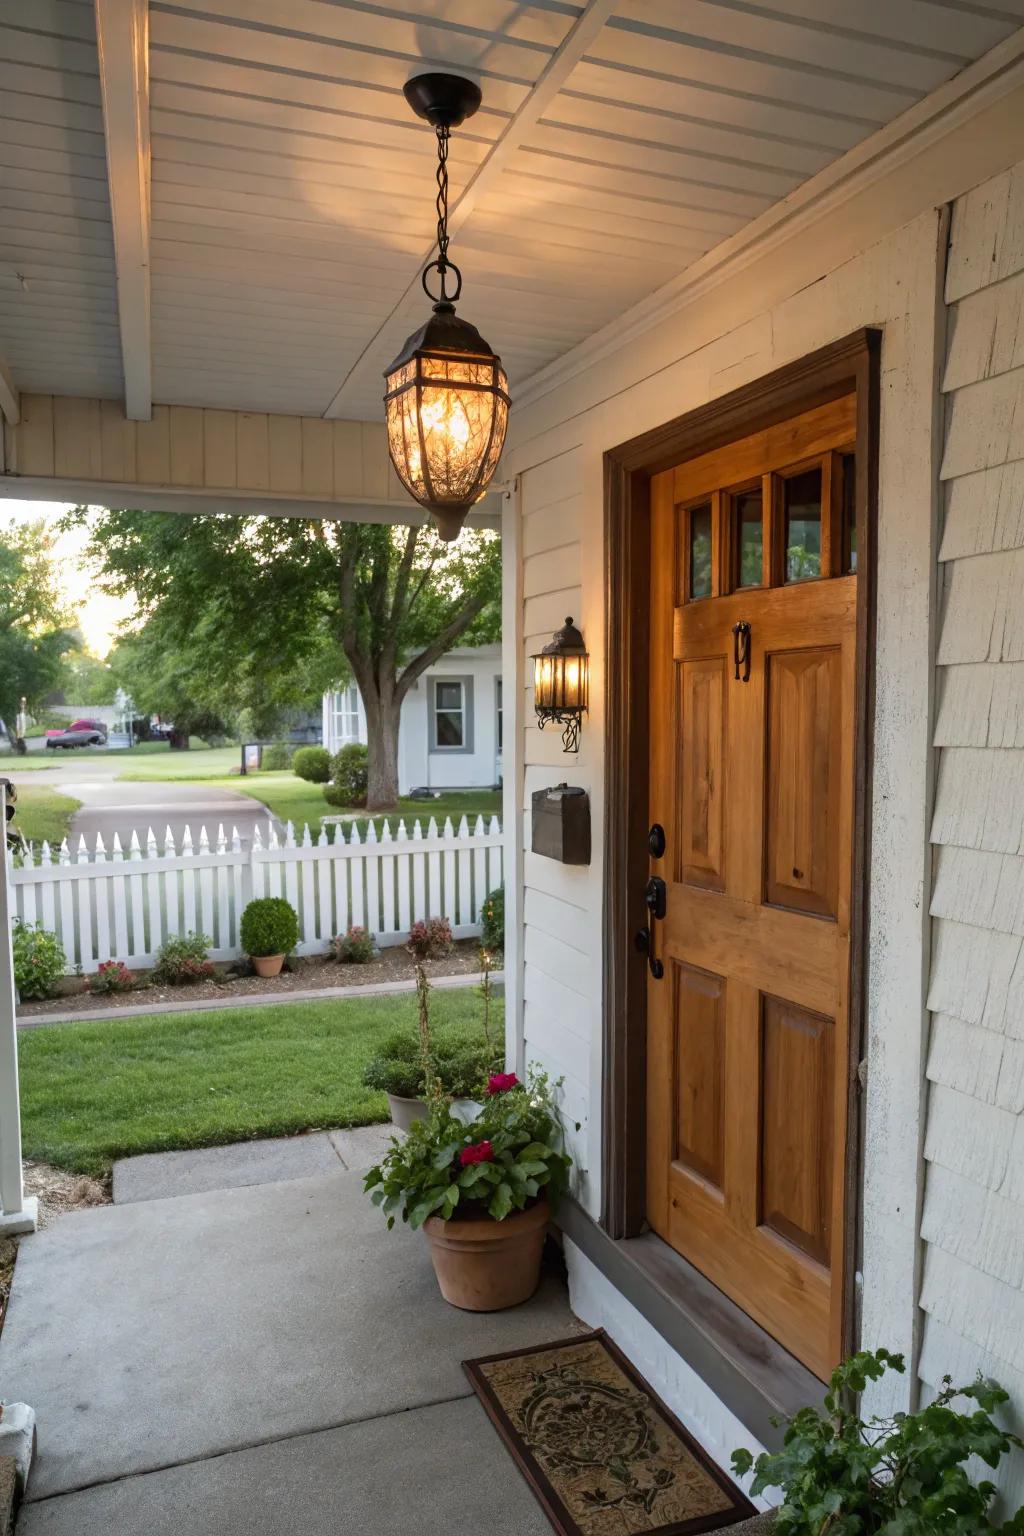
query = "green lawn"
x=292 y=799
x=93 y=1092
x=154 y=761
x=41 y=813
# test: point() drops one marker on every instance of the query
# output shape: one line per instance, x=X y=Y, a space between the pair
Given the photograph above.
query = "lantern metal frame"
x=445 y=101
x=558 y=698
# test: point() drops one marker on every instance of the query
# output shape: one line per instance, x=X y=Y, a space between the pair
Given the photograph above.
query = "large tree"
x=34 y=631
x=267 y=606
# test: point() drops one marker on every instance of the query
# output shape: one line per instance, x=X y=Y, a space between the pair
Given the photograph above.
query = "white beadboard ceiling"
x=292 y=189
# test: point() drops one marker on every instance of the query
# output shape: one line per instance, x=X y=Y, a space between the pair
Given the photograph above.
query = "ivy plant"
x=904 y=1476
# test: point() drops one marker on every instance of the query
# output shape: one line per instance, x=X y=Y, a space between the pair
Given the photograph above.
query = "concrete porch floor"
x=258 y=1359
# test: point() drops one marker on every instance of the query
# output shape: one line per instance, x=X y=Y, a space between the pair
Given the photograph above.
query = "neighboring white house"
x=450 y=734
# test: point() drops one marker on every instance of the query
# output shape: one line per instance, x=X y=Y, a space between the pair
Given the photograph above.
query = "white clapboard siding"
x=972 y=1225
x=561 y=923
x=108 y=908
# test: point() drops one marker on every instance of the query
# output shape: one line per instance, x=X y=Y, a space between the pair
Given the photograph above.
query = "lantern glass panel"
x=445 y=441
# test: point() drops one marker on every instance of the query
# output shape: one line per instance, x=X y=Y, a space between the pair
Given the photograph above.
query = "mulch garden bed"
x=306 y=974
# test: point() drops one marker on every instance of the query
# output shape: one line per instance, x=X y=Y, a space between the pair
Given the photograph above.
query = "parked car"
x=83 y=733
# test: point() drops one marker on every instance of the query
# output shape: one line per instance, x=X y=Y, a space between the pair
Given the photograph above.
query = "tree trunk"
x=382 y=721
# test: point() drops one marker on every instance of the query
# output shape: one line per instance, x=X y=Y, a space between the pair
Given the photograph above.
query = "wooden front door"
x=752 y=717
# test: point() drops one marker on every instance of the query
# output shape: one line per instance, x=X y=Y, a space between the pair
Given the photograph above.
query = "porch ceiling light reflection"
x=561 y=684
x=446 y=393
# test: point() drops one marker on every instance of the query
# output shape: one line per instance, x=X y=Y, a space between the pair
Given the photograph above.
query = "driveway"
x=112 y=805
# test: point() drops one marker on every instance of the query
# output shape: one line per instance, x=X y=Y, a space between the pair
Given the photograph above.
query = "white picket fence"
x=122 y=905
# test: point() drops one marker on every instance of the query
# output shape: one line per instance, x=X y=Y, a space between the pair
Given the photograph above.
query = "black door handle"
x=656 y=902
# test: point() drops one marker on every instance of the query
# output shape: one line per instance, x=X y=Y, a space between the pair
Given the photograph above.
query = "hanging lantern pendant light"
x=445 y=394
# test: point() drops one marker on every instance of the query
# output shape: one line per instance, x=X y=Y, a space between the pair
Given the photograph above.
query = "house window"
x=451 y=715
x=345 y=716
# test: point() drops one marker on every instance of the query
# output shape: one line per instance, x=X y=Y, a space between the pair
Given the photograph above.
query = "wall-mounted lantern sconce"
x=561 y=682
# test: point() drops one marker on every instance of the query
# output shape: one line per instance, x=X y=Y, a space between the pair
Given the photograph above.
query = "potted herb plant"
x=902 y=1476
x=269 y=932
x=482 y=1192
x=397 y=1070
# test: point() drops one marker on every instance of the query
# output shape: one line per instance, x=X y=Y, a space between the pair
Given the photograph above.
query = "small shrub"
x=464 y=1066
x=492 y=920
x=336 y=797
x=278 y=757
x=182 y=959
x=431 y=940
x=350 y=776
x=354 y=947
x=397 y=1067
x=39 y=960
x=269 y=927
x=112 y=976
x=312 y=764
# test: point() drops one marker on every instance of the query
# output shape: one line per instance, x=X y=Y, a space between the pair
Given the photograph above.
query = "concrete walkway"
x=257 y=1360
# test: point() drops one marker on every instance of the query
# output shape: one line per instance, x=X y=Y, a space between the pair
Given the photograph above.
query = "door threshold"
x=744 y=1366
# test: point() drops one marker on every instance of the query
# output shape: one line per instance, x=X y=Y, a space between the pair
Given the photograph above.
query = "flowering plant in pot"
x=269 y=931
x=482 y=1192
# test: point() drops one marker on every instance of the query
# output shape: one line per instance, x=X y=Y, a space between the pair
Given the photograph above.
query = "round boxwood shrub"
x=269 y=927
x=39 y=959
x=312 y=764
x=350 y=776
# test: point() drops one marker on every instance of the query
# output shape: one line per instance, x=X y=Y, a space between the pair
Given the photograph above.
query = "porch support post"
x=17 y=1213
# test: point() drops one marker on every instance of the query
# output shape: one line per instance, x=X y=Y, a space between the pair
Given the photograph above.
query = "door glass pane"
x=749 y=538
x=700 y=551
x=802 y=503
x=849 y=465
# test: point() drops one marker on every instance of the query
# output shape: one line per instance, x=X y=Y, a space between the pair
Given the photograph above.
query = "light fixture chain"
x=442 y=203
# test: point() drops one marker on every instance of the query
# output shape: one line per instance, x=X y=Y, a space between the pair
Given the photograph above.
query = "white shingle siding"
x=972 y=1223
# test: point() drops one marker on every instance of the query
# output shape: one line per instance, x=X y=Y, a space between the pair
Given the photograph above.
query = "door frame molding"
x=823 y=375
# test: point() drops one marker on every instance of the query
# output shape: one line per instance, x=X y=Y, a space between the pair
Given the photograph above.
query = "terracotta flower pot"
x=405 y=1111
x=267 y=965
x=484 y=1265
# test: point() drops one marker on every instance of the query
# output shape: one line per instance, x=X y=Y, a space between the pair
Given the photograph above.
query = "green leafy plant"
x=397 y=1067
x=112 y=976
x=355 y=946
x=312 y=764
x=464 y=1066
x=182 y=959
x=349 y=776
x=269 y=926
x=492 y=920
x=903 y=1476
x=39 y=959
x=512 y=1155
x=431 y=940
x=278 y=756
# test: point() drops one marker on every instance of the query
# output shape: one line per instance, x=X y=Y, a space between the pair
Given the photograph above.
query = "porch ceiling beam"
x=10 y=405
x=550 y=81
x=122 y=35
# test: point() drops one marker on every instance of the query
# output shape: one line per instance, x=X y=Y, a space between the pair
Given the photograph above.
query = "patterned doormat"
x=603 y=1454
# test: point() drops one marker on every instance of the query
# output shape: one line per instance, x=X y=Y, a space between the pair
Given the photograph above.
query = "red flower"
x=482 y=1152
x=501 y=1082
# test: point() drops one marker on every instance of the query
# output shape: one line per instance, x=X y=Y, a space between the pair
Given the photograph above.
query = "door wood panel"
x=699 y=1070
x=802 y=779
x=702 y=754
x=747 y=1035
x=797 y=1066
